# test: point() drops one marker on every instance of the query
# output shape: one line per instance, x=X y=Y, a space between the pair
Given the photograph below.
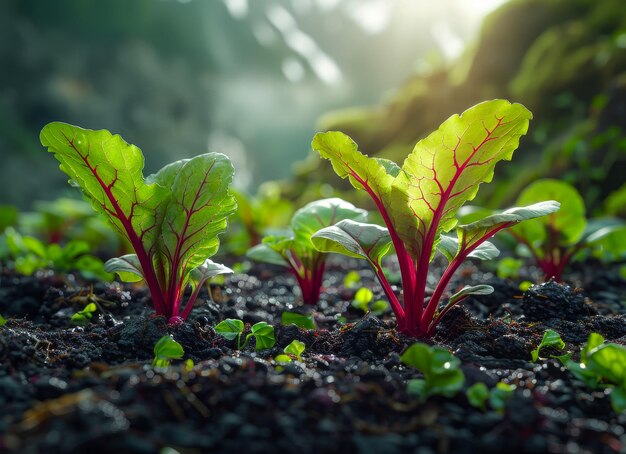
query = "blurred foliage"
x=564 y=59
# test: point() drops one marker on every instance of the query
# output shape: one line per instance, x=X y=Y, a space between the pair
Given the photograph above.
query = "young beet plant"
x=556 y=240
x=295 y=249
x=418 y=203
x=172 y=218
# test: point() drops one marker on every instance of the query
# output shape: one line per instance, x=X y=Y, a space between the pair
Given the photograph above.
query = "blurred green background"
x=255 y=79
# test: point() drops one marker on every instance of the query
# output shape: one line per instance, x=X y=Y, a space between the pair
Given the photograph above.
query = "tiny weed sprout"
x=3 y=321
x=477 y=395
x=295 y=250
x=172 y=218
x=262 y=332
x=84 y=316
x=550 y=339
x=295 y=348
x=165 y=350
x=418 y=203
x=440 y=368
x=300 y=320
x=555 y=240
x=362 y=299
x=351 y=279
x=602 y=365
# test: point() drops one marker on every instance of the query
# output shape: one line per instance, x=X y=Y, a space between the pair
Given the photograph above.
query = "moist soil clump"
x=73 y=389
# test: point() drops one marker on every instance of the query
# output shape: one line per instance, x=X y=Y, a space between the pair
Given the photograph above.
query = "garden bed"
x=69 y=389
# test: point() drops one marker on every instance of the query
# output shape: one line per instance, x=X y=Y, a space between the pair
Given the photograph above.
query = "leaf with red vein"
x=196 y=212
x=446 y=168
x=109 y=171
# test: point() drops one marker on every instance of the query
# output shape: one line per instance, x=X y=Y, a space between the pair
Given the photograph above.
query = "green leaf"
x=440 y=368
x=295 y=348
x=370 y=174
x=499 y=396
x=363 y=295
x=477 y=395
x=127 y=267
x=481 y=289
x=508 y=268
x=449 y=247
x=197 y=210
x=608 y=243
x=609 y=362
x=300 y=320
x=354 y=239
x=446 y=168
x=569 y=221
x=323 y=213
x=379 y=307
x=165 y=350
x=550 y=339
x=594 y=341
x=84 y=316
x=109 y=172
x=207 y=270
x=3 y=321
x=264 y=253
x=472 y=233
x=618 y=399
x=229 y=328
x=264 y=335
x=351 y=279
x=283 y=359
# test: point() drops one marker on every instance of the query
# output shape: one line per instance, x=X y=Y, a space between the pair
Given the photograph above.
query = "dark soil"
x=91 y=389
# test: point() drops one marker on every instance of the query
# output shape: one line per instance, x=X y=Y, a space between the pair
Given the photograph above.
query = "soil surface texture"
x=92 y=388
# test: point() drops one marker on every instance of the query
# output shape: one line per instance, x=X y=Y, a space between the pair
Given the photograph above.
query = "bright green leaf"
x=264 y=335
x=354 y=239
x=300 y=320
x=477 y=395
x=446 y=168
x=229 y=328
x=295 y=348
x=351 y=279
x=569 y=221
x=127 y=267
x=165 y=350
x=550 y=339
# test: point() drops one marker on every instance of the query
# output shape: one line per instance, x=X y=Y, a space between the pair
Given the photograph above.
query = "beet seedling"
x=165 y=350
x=295 y=251
x=557 y=239
x=419 y=200
x=172 y=219
x=262 y=332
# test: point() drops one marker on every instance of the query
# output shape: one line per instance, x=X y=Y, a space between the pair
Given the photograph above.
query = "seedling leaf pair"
x=262 y=332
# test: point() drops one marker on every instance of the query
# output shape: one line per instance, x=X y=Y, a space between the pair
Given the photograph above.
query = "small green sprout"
x=440 y=368
x=550 y=339
x=602 y=365
x=3 y=321
x=508 y=268
x=295 y=348
x=352 y=279
x=165 y=350
x=262 y=332
x=84 y=316
x=478 y=394
x=300 y=320
x=362 y=298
